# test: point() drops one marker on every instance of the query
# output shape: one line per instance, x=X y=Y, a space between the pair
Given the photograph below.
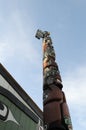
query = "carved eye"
x=3 y=111
x=1 y=106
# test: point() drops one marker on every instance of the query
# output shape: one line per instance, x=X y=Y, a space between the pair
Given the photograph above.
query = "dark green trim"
x=20 y=91
x=19 y=104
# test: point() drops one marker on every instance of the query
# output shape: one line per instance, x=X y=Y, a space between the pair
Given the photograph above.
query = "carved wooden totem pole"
x=55 y=109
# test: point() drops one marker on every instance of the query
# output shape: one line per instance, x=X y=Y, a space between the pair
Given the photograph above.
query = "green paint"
x=67 y=120
x=25 y=122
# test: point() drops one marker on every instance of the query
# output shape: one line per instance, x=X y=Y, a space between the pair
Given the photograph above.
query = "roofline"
x=7 y=94
x=20 y=91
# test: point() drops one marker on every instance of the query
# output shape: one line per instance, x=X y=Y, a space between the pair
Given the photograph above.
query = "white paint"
x=11 y=118
x=4 y=111
x=39 y=127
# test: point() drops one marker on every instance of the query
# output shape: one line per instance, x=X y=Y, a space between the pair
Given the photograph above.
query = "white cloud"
x=23 y=51
x=75 y=90
x=5 y=51
x=75 y=85
x=16 y=42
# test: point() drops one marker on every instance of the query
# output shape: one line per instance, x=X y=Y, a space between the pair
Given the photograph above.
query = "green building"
x=17 y=110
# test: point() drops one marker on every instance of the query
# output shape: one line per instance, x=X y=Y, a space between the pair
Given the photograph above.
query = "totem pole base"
x=56 y=127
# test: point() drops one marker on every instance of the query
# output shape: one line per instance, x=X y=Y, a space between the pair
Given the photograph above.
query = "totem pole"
x=55 y=109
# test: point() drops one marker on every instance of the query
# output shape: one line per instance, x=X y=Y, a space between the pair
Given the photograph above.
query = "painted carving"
x=39 y=127
x=6 y=114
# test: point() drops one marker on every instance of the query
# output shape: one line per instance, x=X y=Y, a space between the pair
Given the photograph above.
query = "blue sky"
x=21 y=52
